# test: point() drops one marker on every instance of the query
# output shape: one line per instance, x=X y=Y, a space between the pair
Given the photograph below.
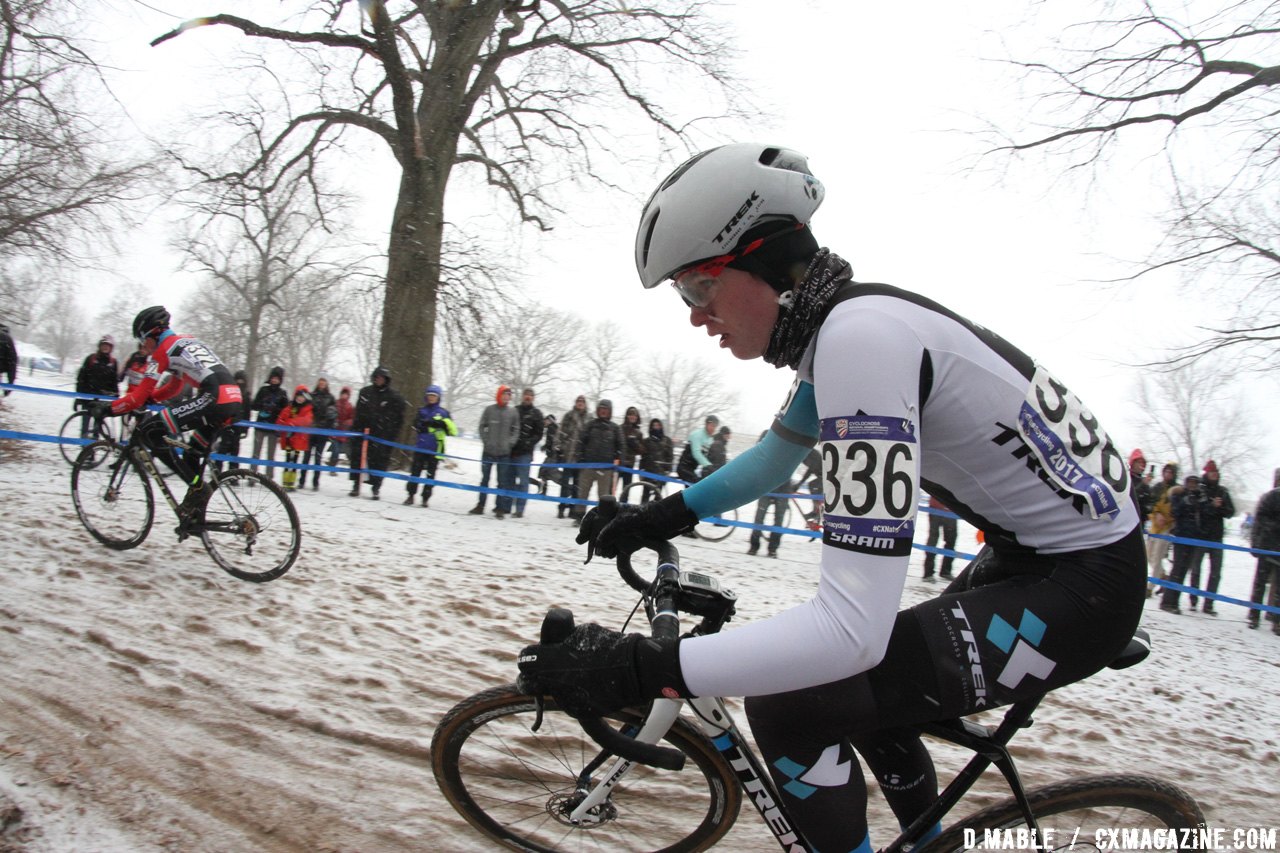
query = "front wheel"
x=518 y=786
x=640 y=492
x=78 y=431
x=251 y=533
x=1082 y=813
x=112 y=495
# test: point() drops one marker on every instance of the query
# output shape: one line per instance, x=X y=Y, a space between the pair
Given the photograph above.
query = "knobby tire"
x=515 y=785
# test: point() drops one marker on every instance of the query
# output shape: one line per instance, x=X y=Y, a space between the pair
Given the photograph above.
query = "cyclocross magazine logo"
x=1020 y=644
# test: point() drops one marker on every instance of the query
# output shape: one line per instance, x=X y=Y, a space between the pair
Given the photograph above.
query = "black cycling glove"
x=594 y=670
x=100 y=409
x=635 y=524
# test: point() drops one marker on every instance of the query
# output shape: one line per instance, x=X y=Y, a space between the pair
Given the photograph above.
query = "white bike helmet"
x=705 y=207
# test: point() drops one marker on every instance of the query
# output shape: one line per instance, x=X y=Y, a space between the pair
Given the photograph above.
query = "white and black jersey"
x=899 y=393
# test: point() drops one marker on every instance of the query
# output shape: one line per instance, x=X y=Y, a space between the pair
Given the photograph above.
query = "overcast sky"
x=888 y=100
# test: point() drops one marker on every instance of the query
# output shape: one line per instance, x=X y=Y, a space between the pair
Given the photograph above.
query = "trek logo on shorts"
x=869 y=483
x=831 y=770
x=1020 y=644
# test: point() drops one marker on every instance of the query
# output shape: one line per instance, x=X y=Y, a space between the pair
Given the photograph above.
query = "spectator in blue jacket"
x=434 y=424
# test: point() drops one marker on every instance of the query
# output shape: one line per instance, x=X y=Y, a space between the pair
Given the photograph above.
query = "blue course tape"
x=537 y=496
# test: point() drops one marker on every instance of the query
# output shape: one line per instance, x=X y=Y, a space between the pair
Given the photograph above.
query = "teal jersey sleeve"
x=765 y=466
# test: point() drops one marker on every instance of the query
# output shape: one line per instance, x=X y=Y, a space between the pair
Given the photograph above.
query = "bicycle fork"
x=716 y=724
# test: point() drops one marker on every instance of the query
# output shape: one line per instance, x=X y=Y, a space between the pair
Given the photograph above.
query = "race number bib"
x=1076 y=453
x=869 y=484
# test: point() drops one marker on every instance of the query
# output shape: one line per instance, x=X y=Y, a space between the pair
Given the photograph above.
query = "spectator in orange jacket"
x=297 y=413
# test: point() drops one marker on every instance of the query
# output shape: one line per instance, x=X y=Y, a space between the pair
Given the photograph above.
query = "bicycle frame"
x=988 y=744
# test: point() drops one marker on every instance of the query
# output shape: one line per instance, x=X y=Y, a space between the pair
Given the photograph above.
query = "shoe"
x=1253 y=623
x=577 y=522
x=478 y=509
x=333 y=473
x=315 y=486
x=753 y=550
x=1194 y=602
x=424 y=500
x=1174 y=609
x=374 y=497
x=946 y=576
x=773 y=554
x=930 y=579
x=408 y=501
x=518 y=513
x=354 y=493
x=497 y=513
x=1208 y=610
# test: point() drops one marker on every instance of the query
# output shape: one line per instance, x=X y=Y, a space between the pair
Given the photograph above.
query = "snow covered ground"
x=149 y=701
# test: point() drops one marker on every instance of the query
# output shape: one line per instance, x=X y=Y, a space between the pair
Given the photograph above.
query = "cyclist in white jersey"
x=898 y=393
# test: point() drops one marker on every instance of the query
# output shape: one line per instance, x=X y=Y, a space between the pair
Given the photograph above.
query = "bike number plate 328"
x=870 y=471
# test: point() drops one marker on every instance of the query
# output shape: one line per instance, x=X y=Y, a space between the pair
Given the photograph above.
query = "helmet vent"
x=768 y=155
x=648 y=238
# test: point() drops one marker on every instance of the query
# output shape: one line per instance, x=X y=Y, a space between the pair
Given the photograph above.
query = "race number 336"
x=869 y=466
x=1074 y=450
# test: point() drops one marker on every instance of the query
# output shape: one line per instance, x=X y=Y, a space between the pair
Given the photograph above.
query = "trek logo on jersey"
x=1020 y=644
x=870 y=470
x=1074 y=453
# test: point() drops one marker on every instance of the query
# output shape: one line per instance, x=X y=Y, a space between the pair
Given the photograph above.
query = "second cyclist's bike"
x=248 y=524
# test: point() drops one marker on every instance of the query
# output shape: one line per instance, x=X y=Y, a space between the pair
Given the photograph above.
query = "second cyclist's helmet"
x=150 y=321
x=719 y=201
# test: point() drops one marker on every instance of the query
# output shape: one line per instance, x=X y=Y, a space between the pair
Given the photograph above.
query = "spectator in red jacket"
x=297 y=413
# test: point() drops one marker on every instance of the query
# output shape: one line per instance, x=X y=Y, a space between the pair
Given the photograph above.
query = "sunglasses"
x=697 y=284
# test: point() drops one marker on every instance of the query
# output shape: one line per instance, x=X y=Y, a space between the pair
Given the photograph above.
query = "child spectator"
x=297 y=413
x=433 y=423
x=346 y=417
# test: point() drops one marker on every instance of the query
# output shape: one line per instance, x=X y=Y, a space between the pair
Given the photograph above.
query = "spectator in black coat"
x=657 y=453
x=1216 y=506
x=531 y=427
x=1265 y=536
x=379 y=414
x=8 y=357
x=600 y=442
x=268 y=403
x=100 y=376
x=324 y=409
x=632 y=436
x=229 y=443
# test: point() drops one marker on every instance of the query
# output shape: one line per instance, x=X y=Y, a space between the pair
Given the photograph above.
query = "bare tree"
x=61 y=326
x=682 y=392
x=527 y=94
x=1205 y=82
x=524 y=344
x=62 y=178
x=17 y=282
x=267 y=243
x=364 y=322
x=1197 y=413
x=604 y=352
x=116 y=317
